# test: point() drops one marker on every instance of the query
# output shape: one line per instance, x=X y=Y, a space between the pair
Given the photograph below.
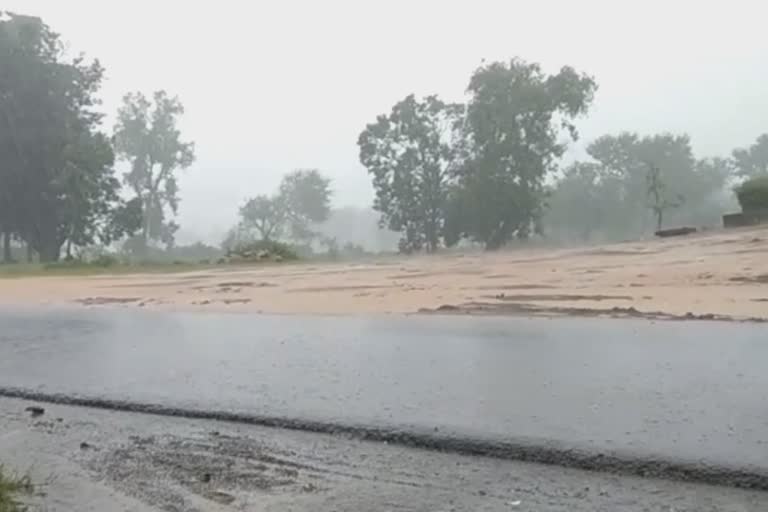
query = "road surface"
x=141 y=463
x=688 y=391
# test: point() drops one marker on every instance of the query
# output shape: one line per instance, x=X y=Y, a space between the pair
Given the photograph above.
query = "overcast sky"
x=271 y=86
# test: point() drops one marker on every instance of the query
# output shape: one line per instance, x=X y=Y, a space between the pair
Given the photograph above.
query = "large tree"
x=148 y=138
x=752 y=162
x=410 y=153
x=56 y=179
x=514 y=125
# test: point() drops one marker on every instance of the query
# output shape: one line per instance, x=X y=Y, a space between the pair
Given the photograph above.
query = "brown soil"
x=720 y=274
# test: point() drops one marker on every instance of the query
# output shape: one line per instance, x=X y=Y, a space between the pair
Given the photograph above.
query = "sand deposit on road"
x=721 y=273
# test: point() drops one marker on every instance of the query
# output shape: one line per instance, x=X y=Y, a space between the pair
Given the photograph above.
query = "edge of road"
x=550 y=453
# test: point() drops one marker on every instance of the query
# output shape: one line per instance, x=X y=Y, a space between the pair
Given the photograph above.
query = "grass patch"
x=86 y=269
x=11 y=487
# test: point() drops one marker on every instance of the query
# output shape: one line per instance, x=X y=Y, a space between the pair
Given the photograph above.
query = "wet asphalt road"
x=143 y=463
x=694 y=391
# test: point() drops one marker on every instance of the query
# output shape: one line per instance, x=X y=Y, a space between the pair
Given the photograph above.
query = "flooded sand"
x=716 y=274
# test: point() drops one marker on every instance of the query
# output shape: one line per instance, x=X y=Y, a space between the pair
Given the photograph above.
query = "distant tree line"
x=490 y=170
x=633 y=184
x=59 y=189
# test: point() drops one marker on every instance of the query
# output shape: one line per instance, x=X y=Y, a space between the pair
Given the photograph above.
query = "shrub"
x=753 y=194
x=262 y=250
x=11 y=486
x=105 y=260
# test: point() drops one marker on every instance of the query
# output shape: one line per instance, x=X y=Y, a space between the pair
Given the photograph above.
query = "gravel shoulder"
x=83 y=459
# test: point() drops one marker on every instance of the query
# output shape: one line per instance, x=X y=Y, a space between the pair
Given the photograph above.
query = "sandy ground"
x=722 y=273
x=93 y=460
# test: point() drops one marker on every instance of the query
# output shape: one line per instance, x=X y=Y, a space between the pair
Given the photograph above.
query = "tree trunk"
x=50 y=251
x=7 y=256
x=29 y=253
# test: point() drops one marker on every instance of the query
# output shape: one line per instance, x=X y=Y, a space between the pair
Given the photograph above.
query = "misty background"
x=272 y=87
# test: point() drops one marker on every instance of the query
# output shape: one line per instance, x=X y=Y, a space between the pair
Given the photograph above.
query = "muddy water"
x=692 y=391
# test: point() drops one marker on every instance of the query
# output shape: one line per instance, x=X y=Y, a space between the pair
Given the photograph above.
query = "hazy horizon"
x=271 y=89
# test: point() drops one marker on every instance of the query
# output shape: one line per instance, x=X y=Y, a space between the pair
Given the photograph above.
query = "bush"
x=105 y=260
x=11 y=486
x=753 y=194
x=262 y=250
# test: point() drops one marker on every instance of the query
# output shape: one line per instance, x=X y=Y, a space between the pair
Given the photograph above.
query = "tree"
x=146 y=135
x=305 y=199
x=515 y=119
x=124 y=219
x=752 y=162
x=410 y=153
x=583 y=203
x=753 y=195
x=621 y=186
x=56 y=176
x=657 y=193
x=264 y=214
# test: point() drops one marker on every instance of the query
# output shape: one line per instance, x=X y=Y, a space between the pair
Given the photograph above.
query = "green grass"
x=11 y=487
x=66 y=269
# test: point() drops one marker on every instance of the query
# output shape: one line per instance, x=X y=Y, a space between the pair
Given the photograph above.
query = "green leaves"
x=57 y=178
x=513 y=128
x=753 y=194
x=448 y=171
x=410 y=154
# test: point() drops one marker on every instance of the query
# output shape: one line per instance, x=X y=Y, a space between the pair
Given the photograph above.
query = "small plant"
x=753 y=194
x=11 y=486
x=657 y=193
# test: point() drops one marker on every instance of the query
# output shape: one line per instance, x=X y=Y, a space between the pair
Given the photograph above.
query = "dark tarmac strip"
x=678 y=400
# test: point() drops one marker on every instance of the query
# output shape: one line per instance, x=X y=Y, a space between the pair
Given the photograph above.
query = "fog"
x=274 y=86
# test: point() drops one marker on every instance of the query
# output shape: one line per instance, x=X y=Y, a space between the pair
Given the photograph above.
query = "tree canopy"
x=631 y=179
x=302 y=200
x=147 y=136
x=752 y=162
x=474 y=171
x=57 y=182
x=410 y=153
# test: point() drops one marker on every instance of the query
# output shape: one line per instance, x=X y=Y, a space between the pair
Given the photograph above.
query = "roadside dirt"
x=85 y=459
x=706 y=276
